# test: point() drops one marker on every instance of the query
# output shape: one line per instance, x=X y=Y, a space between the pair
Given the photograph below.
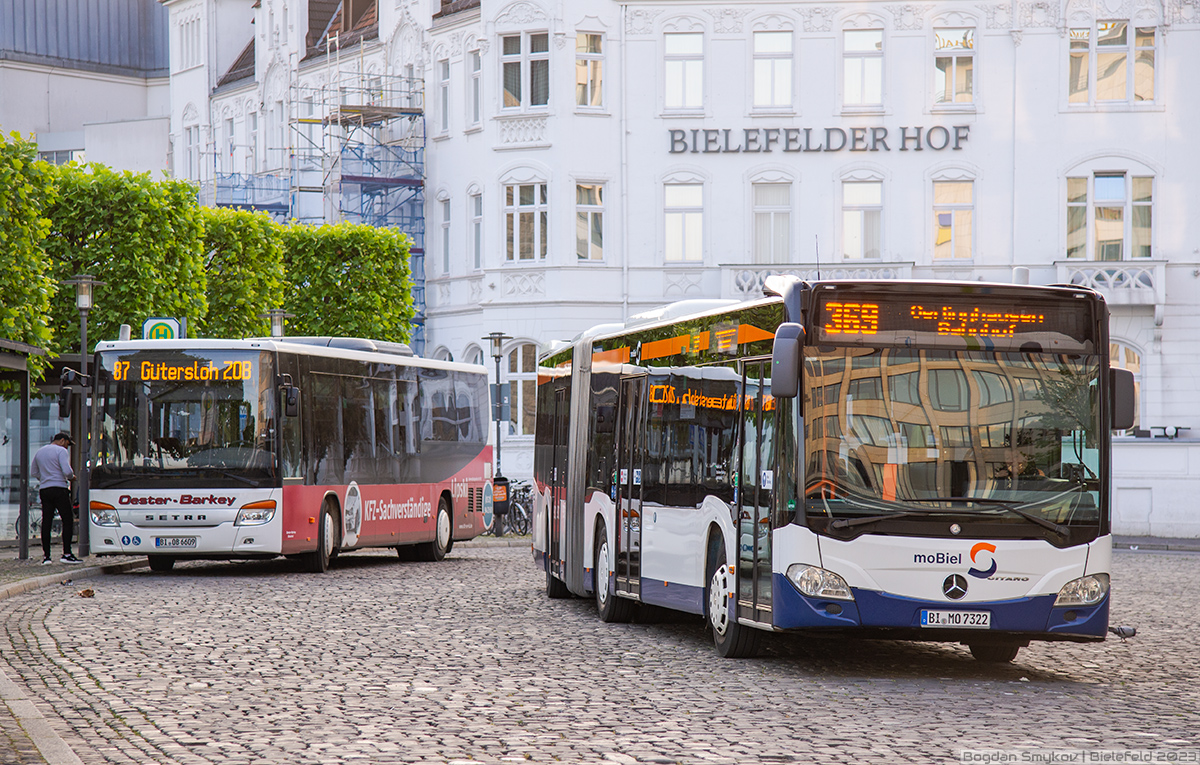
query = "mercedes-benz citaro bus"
x=905 y=459
x=298 y=446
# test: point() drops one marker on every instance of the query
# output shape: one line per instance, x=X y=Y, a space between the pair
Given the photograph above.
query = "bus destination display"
x=854 y=320
x=230 y=370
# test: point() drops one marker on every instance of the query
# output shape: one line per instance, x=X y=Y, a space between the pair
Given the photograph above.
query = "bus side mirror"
x=64 y=400
x=291 y=401
x=785 y=360
x=1120 y=385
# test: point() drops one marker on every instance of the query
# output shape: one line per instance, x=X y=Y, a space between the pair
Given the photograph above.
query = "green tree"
x=244 y=263
x=348 y=279
x=26 y=282
x=142 y=238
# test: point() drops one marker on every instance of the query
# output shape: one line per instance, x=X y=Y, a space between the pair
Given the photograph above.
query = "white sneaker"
x=46 y=561
x=69 y=558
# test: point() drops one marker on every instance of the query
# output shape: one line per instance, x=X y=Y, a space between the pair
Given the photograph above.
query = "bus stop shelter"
x=14 y=374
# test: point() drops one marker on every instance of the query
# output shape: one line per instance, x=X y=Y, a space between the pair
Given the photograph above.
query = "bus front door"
x=756 y=486
x=629 y=485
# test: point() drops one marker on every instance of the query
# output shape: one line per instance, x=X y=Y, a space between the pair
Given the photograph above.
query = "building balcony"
x=745 y=281
x=1131 y=283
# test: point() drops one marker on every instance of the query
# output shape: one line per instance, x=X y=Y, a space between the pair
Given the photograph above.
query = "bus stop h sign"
x=160 y=328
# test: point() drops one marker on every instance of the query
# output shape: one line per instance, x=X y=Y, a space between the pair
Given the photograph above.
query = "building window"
x=1117 y=57
x=1117 y=222
x=477 y=230
x=526 y=211
x=475 y=107
x=862 y=218
x=189 y=44
x=227 y=155
x=684 y=70
x=772 y=69
x=522 y=380
x=683 y=205
x=191 y=152
x=952 y=219
x=1121 y=356
x=589 y=221
x=863 y=67
x=772 y=222
x=589 y=70
x=525 y=60
x=251 y=142
x=445 y=236
x=444 y=95
x=954 y=66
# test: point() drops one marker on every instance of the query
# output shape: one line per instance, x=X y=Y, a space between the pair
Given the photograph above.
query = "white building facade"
x=587 y=160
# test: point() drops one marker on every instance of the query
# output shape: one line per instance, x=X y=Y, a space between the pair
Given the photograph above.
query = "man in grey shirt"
x=52 y=467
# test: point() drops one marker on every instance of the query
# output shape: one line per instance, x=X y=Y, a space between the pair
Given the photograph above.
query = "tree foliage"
x=244 y=263
x=26 y=283
x=142 y=238
x=348 y=279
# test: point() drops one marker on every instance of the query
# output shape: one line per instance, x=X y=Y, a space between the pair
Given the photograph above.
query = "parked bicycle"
x=520 y=508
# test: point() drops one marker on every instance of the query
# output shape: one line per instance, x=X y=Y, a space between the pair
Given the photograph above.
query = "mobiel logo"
x=797 y=140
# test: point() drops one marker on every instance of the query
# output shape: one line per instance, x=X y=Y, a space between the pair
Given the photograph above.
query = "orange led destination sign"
x=856 y=319
x=180 y=371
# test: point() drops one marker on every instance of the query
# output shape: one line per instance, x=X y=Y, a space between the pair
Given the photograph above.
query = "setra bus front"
x=955 y=465
x=186 y=460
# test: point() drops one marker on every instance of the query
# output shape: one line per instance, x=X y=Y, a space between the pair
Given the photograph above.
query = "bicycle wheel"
x=519 y=519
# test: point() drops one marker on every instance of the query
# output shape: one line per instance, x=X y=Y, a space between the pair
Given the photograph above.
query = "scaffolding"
x=358 y=155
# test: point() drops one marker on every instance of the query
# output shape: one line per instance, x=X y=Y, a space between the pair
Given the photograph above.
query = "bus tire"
x=441 y=544
x=994 y=653
x=611 y=607
x=732 y=640
x=318 y=560
x=161 y=562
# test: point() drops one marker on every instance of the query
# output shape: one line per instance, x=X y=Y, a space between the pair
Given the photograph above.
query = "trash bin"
x=500 y=495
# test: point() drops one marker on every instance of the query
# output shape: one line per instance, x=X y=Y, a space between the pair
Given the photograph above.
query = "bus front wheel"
x=318 y=560
x=733 y=640
x=441 y=544
x=610 y=607
x=994 y=653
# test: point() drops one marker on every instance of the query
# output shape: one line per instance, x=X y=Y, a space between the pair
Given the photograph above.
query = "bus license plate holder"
x=175 y=543
x=971 y=620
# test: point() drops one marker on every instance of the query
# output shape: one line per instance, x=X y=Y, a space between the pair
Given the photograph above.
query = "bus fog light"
x=1085 y=591
x=818 y=583
x=255 y=513
x=104 y=514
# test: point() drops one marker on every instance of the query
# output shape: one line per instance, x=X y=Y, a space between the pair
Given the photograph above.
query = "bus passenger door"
x=756 y=486
x=556 y=487
x=629 y=485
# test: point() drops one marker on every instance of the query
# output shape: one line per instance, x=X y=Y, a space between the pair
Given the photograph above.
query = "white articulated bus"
x=299 y=446
x=917 y=460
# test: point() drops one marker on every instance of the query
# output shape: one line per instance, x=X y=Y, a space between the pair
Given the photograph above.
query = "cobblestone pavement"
x=380 y=661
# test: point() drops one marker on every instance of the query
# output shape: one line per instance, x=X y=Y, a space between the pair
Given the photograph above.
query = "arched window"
x=1121 y=356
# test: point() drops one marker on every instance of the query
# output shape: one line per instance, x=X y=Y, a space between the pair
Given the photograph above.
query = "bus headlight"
x=255 y=513
x=1085 y=591
x=104 y=514
x=818 y=583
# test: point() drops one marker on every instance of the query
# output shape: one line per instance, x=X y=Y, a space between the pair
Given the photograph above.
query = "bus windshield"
x=194 y=418
x=931 y=433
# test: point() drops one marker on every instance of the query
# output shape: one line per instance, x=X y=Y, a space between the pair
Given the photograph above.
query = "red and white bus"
x=299 y=446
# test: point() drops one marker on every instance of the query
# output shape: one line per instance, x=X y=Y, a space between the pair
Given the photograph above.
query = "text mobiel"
x=748 y=140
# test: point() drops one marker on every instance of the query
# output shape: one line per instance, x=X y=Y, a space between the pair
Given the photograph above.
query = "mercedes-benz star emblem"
x=955 y=586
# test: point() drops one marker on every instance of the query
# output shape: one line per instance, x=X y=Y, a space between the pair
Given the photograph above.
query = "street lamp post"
x=497 y=339
x=276 y=315
x=83 y=301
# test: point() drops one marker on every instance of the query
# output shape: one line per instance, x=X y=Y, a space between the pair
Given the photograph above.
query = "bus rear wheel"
x=994 y=653
x=317 y=561
x=161 y=562
x=441 y=544
x=609 y=606
x=732 y=640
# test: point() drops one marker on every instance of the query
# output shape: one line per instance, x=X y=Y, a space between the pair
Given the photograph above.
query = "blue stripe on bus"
x=681 y=597
x=792 y=610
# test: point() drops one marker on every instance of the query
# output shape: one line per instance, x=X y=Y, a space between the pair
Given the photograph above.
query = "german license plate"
x=174 y=543
x=972 y=620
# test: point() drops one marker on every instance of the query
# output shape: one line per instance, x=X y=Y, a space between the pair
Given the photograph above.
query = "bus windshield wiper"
x=1011 y=507
x=846 y=523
